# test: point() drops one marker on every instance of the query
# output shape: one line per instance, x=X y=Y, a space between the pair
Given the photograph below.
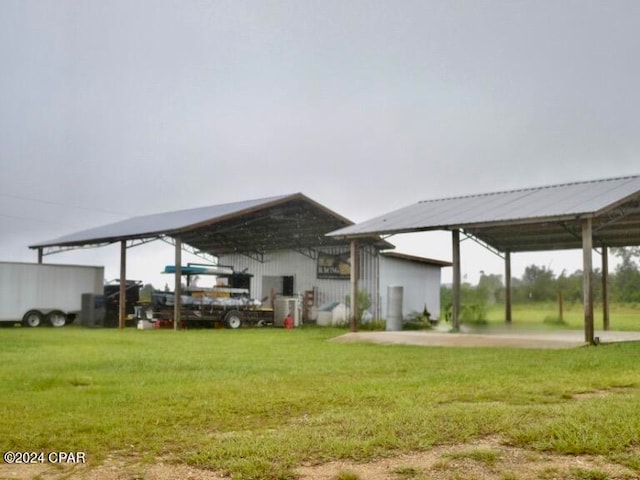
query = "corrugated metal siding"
x=304 y=271
x=370 y=277
x=534 y=203
x=420 y=282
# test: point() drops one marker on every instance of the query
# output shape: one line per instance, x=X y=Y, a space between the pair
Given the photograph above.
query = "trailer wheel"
x=33 y=318
x=56 y=318
x=233 y=319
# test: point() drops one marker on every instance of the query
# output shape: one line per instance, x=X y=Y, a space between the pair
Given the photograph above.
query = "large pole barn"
x=276 y=239
x=583 y=215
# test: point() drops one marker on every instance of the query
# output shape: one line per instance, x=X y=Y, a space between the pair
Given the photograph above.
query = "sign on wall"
x=334 y=265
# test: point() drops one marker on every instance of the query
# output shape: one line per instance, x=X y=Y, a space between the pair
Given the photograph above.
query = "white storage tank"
x=394 y=308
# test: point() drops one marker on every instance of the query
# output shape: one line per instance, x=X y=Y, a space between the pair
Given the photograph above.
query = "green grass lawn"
x=622 y=316
x=256 y=403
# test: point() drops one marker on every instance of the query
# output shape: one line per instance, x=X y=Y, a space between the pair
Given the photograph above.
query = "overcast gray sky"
x=110 y=109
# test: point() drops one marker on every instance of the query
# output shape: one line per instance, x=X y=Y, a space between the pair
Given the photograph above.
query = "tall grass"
x=256 y=403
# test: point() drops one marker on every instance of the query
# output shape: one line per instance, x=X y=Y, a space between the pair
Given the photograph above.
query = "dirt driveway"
x=485 y=459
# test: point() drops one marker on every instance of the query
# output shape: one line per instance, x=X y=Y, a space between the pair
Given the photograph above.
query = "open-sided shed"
x=251 y=228
x=594 y=214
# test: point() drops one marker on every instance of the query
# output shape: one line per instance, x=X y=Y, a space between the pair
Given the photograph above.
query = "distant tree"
x=626 y=281
x=539 y=283
x=571 y=286
x=491 y=287
x=472 y=294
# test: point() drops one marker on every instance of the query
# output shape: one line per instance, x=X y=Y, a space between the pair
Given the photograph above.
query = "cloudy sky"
x=111 y=109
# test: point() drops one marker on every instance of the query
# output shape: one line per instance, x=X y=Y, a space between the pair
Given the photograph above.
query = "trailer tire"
x=233 y=319
x=56 y=318
x=33 y=318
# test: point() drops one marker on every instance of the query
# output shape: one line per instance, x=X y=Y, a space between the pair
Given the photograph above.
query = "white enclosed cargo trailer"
x=37 y=294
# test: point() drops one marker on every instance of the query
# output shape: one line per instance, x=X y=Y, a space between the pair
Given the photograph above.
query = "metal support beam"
x=53 y=250
x=211 y=259
x=257 y=256
x=307 y=252
x=177 y=300
x=123 y=284
x=507 y=287
x=587 y=269
x=605 y=288
x=455 y=317
x=483 y=244
x=40 y=252
x=355 y=275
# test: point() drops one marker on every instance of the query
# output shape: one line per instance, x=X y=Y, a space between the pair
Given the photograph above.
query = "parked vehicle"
x=221 y=306
x=36 y=294
x=205 y=308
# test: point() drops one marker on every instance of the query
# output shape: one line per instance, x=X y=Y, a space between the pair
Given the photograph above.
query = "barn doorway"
x=273 y=286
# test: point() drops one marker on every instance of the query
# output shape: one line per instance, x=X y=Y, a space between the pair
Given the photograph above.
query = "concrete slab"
x=489 y=338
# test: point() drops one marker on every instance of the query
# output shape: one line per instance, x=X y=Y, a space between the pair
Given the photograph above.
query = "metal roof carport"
x=251 y=228
x=587 y=215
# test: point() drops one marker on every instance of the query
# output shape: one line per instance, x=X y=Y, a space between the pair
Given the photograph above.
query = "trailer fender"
x=33 y=318
x=233 y=319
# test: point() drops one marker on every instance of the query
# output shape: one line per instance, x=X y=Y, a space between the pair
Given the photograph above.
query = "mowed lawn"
x=624 y=317
x=256 y=403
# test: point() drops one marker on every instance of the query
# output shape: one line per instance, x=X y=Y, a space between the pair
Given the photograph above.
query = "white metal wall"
x=304 y=270
x=370 y=278
x=421 y=284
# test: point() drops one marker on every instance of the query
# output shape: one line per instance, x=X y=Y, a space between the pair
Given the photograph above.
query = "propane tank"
x=288 y=322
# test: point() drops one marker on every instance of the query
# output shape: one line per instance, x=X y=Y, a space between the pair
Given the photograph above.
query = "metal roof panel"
x=524 y=205
x=138 y=227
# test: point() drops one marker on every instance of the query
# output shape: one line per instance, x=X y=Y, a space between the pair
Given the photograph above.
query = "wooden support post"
x=587 y=261
x=507 y=287
x=122 y=306
x=560 y=307
x=177 y=289
x=455 y=317
x=355 y=274
x=605 y=288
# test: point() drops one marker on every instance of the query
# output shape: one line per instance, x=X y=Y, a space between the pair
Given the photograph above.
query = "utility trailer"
x=35 y=294
x=228 y=306
x=201 y=310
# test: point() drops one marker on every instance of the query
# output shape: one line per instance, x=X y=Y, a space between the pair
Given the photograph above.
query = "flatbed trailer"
x=211 y=316
x=220 y=306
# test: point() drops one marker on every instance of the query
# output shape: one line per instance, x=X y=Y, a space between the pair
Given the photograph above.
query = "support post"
x=455 y=317
x=587 y=261
x=40 y=255
x=605 y=288
x=560 y=307
x=355 y=274
x=507 y=287
x=177 y=301
x=122 y=306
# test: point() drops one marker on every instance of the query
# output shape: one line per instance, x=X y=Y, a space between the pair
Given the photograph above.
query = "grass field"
x=257 y=403
x=622 y=316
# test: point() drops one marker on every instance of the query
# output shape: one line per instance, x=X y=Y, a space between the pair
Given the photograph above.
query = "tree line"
x=540 y=284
